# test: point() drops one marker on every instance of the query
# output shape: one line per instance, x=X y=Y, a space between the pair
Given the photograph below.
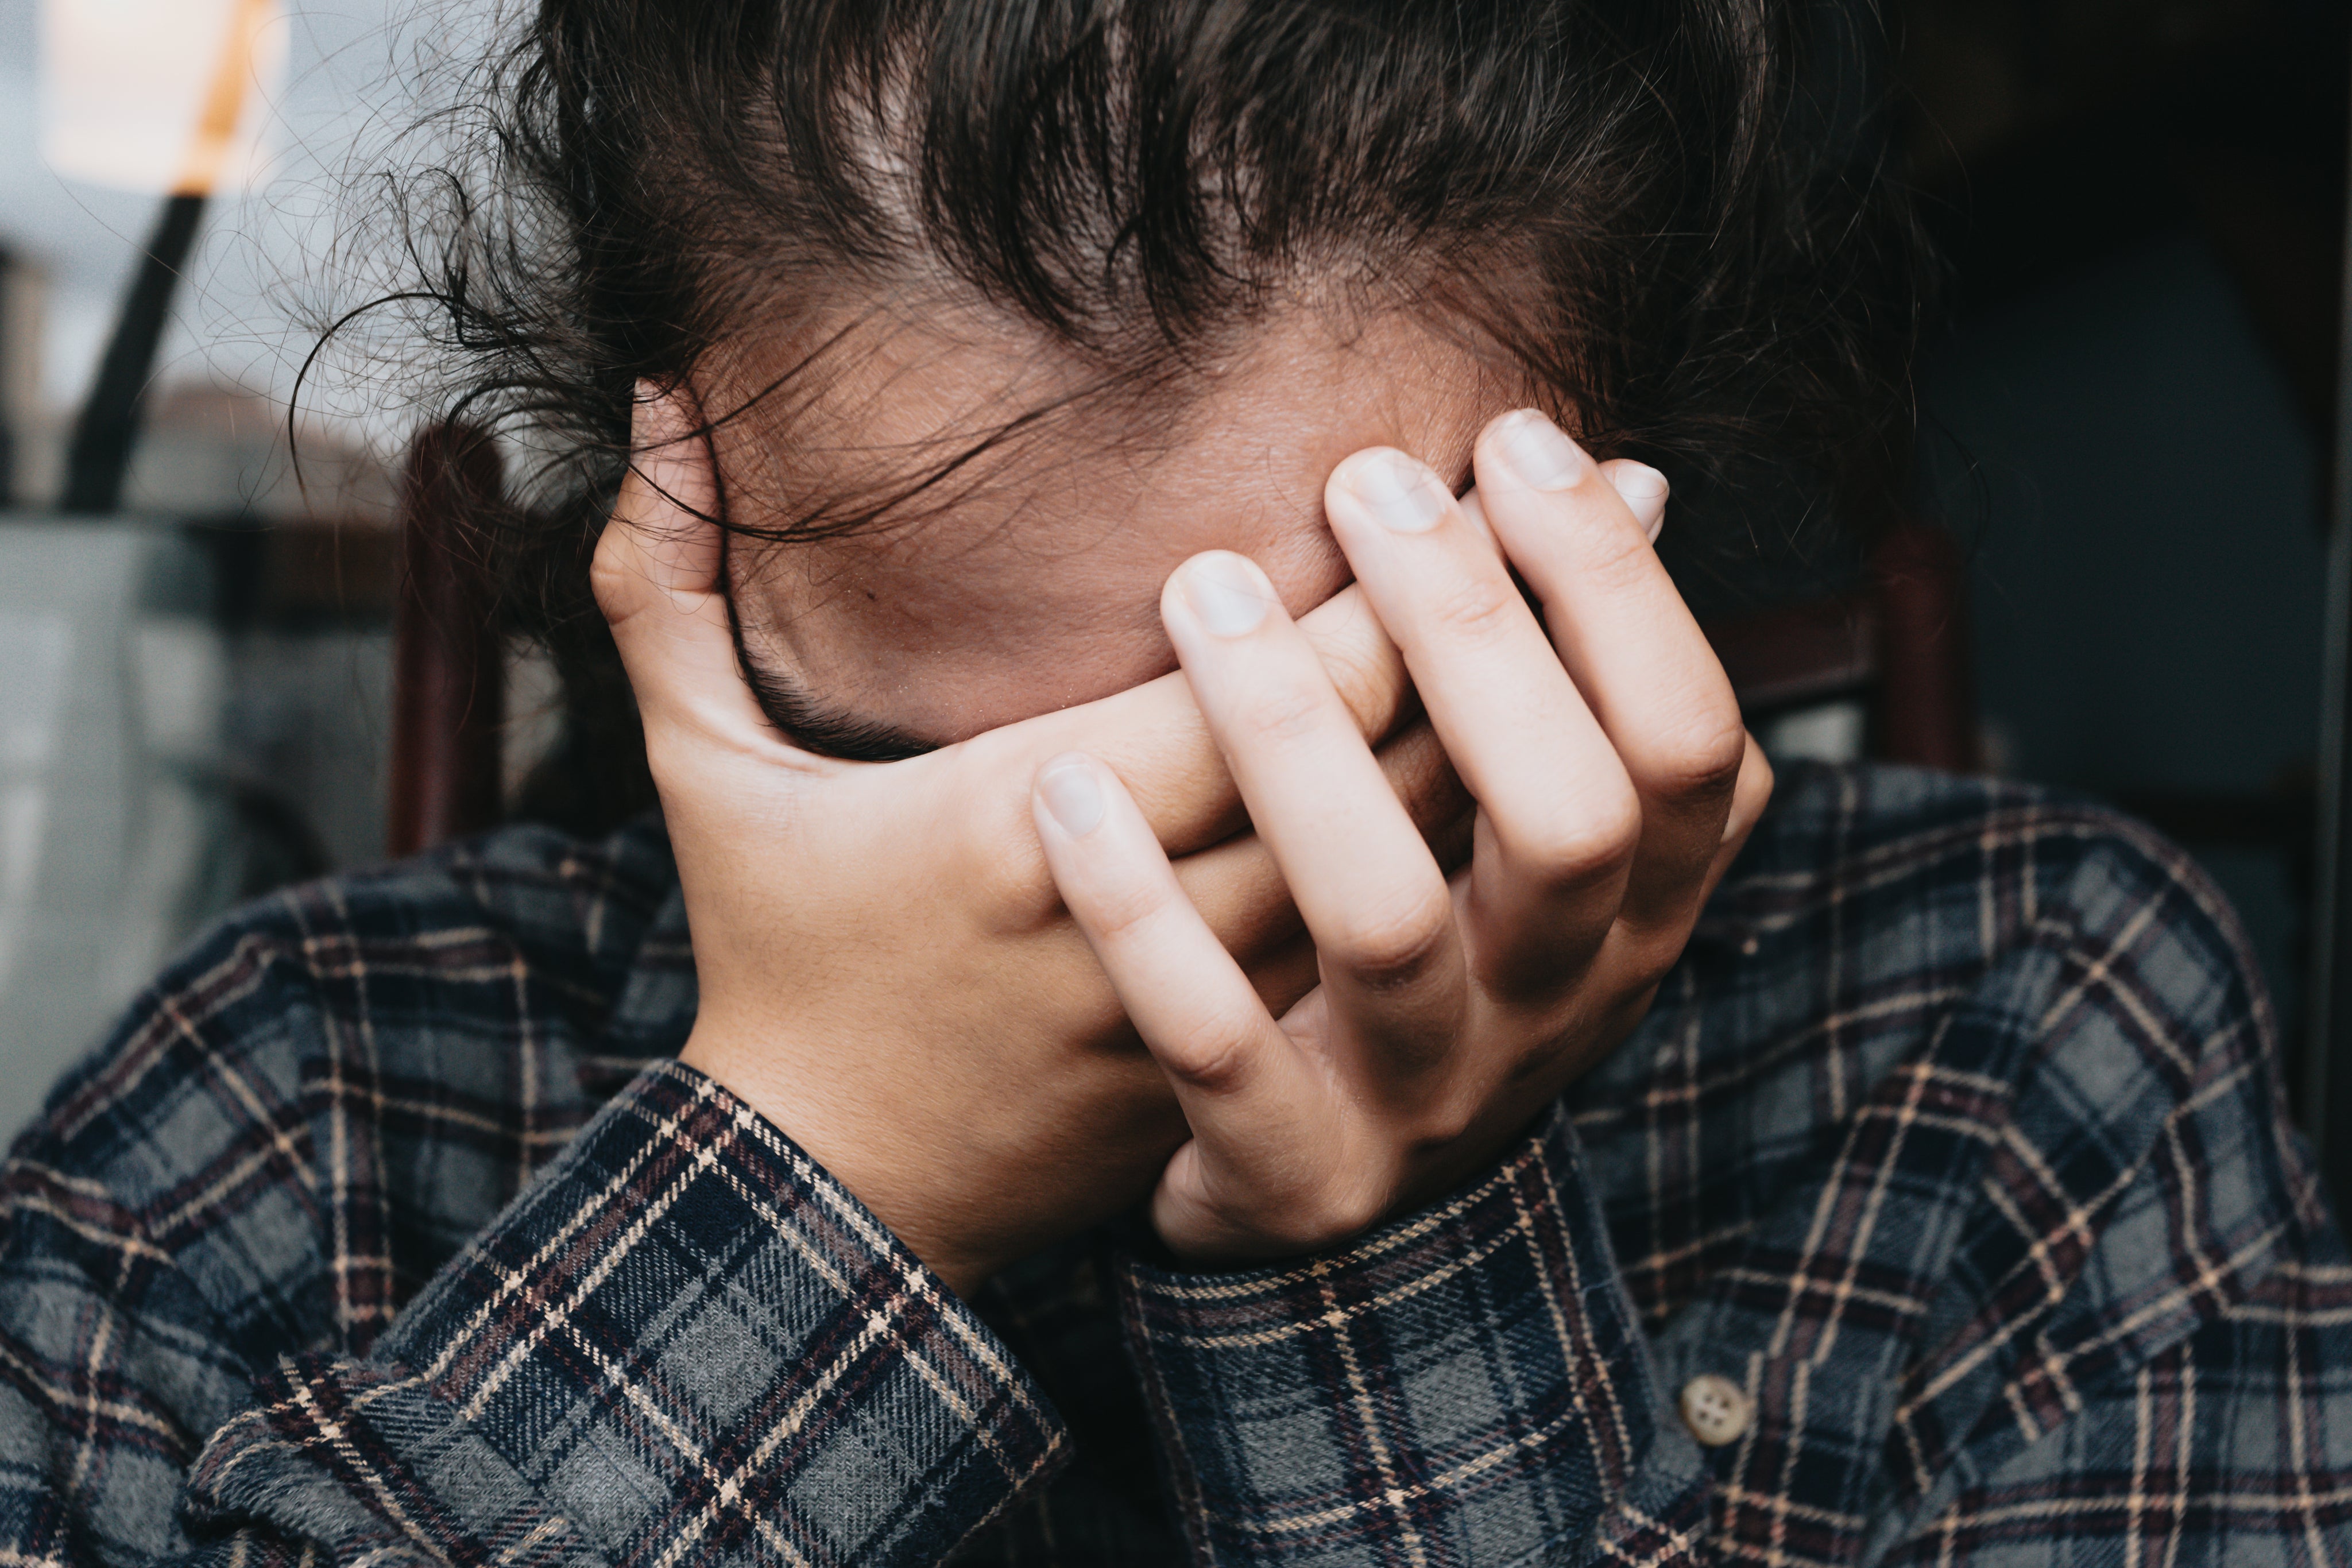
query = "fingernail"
x=1643 y=490
x=1535 y=449
x=1402 y=496
x=1073 y=794
x=1226 y=592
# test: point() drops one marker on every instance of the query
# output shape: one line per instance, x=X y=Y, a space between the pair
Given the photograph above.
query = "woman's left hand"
x=1614 y=784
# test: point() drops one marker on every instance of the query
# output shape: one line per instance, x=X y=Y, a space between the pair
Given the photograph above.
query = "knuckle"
x=1121 y=910
x=1436 y=1133
x=1353 y=1209
x=1640 y=960
x=1699 y=753
x=1448 y=1121
x=1476 y=608
x=1288 y=712
x=1648 y=966
x=1336 y=1211
x=1216 y=1060
x=1369 y=686
x=1398 y=947
x=1653 y=959
x=1210 y=1066
x=1613 y=559
x=1594 y=839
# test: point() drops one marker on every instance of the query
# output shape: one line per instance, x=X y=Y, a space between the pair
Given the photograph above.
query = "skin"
x=1605 y=750
x=1039 y=590
x=933 y=972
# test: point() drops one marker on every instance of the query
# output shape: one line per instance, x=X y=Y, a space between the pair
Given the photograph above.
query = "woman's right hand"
x=886 y=970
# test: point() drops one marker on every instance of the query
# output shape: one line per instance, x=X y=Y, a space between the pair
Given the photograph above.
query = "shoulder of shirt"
x=2005 y=856
x=1905 y=892
x=2072 y=993
x=215 y=1052
x=1898 y=891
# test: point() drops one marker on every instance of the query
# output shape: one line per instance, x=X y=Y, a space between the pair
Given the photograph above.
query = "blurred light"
x=162 y=96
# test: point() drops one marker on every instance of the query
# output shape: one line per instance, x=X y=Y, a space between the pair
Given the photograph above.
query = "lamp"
x=155 y=95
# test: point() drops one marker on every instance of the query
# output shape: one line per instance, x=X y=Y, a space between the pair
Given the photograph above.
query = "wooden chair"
x=1899 y=640
x=449 y=705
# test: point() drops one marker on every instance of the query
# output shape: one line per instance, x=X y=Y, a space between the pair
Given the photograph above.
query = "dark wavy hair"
x=1672 y=220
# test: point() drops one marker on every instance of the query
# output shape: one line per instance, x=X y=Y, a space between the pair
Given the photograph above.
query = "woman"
x=1243 y=997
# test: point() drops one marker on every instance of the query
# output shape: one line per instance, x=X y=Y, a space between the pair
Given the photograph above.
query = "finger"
x=1239 y=890
x=1626 y=974
x=1255 y=1105
x=1643 y=489
x=1431 y=792
x=1285 y=973
x=1154 y=733
x=1559 y=820
x=1749 y=795
x=1637 y=958
x=1627 y=640
x=655 y=577
x=1364 y=881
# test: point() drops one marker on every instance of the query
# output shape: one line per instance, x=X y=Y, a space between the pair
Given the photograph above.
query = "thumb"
x=657 y=577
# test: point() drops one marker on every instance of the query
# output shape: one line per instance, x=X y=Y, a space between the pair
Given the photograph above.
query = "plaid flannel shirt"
x=384 y=1231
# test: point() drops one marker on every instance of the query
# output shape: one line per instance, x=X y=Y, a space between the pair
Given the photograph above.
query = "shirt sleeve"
x=1470 y=1384
x=2060 y=1287
x=685 y=1343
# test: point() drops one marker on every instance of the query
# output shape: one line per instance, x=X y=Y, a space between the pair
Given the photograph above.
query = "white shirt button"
x=1716 y=1409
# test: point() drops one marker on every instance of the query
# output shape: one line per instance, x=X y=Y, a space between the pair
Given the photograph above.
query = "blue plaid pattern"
x=385 y=1231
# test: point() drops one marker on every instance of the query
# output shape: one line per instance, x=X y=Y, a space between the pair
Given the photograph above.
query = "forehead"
x=1028 y=578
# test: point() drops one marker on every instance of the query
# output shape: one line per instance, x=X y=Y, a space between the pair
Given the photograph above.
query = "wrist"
x=873 y=1160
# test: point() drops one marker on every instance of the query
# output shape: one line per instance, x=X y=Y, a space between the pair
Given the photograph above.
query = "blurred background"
x=218 y=676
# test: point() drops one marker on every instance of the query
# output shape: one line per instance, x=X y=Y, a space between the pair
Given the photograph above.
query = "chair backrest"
x=1926 y=706
x=448 y=665
x=1898 y=640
